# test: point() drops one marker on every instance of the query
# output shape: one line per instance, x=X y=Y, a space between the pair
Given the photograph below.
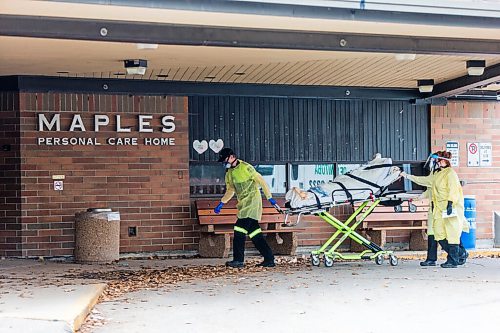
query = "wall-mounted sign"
x=472 y=154
x=200 y=146
x=454 y=148
x=53 y=123
x=58 y=185
x=216 y=146
x=485 y=154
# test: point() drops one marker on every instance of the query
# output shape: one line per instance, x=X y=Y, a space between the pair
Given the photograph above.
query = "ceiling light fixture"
x=476 y=67
x=136 y=66
x=142 y=46
x=405 y=56
x=425 y=86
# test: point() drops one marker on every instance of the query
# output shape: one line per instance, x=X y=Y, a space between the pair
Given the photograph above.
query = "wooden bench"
x=216 y=229
x=384 y=218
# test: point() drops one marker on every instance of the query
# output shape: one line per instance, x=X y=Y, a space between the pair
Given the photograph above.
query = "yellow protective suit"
x=427 y=195
x=445 y=187
x=246 y=182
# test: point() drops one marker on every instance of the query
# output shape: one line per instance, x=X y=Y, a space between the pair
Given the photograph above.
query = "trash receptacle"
x=97 y=236
x=469 y=239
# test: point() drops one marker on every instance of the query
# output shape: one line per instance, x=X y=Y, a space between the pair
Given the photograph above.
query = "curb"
x=86 y=304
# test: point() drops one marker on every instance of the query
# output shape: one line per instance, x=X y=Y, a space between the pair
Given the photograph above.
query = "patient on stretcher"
x=370 y=178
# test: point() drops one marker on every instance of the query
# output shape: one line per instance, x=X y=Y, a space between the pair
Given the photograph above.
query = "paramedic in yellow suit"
x=431 y=242
x=243 y=180
x=447 y=207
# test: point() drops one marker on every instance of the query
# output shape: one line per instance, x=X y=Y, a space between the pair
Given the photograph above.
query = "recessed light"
x=405 y=56
x=142 y=46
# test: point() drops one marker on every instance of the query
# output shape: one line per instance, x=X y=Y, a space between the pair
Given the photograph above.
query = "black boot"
x=260 y=244
x=452 y=260
x=431 y=252
x=238 y=251
x=462 y=254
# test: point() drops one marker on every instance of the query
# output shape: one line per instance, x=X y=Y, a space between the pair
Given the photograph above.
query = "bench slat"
x=423 y=227
x=234 y=211
x=211 y=203
x=224 y=231
x=403 y=216
x=231 y=219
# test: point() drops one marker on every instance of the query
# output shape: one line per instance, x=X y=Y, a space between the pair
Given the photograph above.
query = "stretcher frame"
x=348 y=228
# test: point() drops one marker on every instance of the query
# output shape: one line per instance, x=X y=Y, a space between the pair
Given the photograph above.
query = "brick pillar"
x=10 y=175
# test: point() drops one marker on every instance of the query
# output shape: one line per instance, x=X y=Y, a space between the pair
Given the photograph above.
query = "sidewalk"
x=56 y=296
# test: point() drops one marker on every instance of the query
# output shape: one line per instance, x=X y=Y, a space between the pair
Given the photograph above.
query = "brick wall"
x=473 y=122
x=10 y=176
x=148 y=184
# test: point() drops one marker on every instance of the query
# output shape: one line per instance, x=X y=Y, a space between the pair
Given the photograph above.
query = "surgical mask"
x=226 y=165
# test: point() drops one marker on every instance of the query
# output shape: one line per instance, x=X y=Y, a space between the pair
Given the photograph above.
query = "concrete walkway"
x=51 y=296
x=48 y=309
x=348 y=298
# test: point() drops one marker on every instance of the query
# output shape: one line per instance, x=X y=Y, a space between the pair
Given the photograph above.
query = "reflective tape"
x=239 y=229
x=256 y=232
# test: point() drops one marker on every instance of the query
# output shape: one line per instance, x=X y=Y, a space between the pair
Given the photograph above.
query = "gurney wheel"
x=398 y=208
x=393 y=260
x=328 y=261
x=412 y=208
x=314 y=260
x=379 y=260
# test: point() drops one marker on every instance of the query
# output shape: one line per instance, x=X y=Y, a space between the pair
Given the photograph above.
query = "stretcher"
x=366 y=186
x=347 y=229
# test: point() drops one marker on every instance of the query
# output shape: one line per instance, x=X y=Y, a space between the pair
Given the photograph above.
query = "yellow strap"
x=239 y=229
x=255 y=233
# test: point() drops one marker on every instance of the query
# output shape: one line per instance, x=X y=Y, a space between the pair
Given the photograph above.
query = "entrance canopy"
x=298 y=43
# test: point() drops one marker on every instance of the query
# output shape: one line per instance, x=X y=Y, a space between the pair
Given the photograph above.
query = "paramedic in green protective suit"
x=447 y=207
x=244 y=181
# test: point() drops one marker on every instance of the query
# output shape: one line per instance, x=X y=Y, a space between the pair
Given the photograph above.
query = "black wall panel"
x=265 y=129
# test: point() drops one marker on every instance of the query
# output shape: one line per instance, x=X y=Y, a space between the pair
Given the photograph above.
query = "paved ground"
x=350 y=297
x=200 y=295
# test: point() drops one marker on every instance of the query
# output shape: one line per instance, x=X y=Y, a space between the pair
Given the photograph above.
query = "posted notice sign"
x=485 y=154
x=453 y=148
x=472 y=154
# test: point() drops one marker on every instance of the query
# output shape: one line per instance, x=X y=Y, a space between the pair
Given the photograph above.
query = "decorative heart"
x=200 y=147
x=216 y=146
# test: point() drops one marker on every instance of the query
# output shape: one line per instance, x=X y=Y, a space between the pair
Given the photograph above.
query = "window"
x=306 y=176
x=342 y=169
x=274 y=175
x=206 y=179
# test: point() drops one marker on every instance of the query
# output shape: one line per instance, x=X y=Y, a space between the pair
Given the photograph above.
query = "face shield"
x=432 y=162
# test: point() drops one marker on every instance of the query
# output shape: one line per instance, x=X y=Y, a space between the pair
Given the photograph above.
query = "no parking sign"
x=473 y=154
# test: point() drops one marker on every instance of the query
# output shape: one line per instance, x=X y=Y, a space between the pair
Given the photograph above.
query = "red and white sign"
x=472 y=154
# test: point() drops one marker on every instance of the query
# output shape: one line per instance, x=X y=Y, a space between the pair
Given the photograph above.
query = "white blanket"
x=333 y=193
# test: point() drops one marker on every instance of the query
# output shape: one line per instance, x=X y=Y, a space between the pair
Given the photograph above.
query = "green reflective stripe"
x=256 y=232
x=239 y=229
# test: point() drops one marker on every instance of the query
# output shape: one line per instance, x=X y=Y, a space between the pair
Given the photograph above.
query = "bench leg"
x=418 y=240
x=284 y=243
x=378 y=237
x=355 y=246
x=214 y=246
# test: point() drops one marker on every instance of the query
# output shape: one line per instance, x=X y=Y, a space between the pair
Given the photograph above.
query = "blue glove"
x=449 y=208
x=218 y=208
x=275 y=205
